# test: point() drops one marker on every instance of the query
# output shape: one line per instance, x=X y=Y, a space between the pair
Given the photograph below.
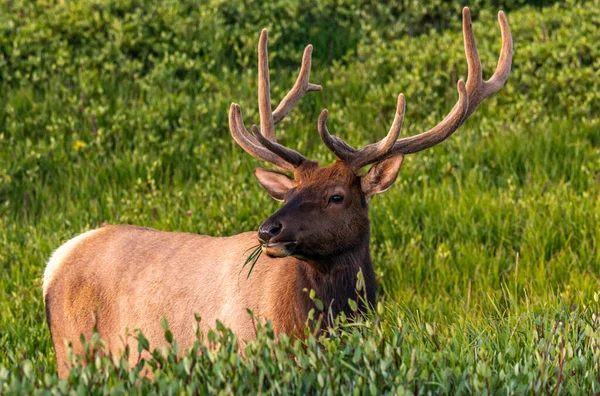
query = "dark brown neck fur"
x=338 y=283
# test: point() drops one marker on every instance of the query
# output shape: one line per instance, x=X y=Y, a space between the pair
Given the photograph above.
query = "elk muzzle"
x=269 y=234
x=269 y=229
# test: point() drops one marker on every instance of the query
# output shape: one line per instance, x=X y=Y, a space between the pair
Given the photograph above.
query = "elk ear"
x=276 y=184
x=381 y=176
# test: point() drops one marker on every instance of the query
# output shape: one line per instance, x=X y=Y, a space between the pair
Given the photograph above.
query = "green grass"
x=487 y=249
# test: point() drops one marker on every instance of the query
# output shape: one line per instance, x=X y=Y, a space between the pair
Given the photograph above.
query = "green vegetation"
x=487 y=249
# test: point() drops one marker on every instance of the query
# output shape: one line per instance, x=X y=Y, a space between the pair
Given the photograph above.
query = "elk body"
x=120 y=278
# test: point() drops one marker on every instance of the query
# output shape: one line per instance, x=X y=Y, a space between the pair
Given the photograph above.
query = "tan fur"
x=121 y=278
x=59 y=256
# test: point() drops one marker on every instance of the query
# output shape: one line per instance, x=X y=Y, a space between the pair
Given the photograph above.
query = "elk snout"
x=269 y=229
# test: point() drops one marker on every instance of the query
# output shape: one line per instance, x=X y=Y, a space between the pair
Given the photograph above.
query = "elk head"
x=325 y=212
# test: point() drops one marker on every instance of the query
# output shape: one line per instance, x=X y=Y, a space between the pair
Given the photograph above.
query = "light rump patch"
x=59 y=256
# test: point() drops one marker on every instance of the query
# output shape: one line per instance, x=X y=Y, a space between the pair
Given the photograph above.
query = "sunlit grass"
x=252 y=259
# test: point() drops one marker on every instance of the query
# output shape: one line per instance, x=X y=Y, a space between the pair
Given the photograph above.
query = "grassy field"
x=487 y=249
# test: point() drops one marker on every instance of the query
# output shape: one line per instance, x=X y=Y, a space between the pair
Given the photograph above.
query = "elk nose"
x=268 y=230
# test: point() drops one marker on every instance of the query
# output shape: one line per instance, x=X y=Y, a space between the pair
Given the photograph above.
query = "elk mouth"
x=279 y=249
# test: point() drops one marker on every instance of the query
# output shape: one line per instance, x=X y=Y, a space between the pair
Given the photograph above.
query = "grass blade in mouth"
x=252 y=258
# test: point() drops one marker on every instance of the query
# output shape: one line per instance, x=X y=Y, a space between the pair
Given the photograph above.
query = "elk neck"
x=335 y=285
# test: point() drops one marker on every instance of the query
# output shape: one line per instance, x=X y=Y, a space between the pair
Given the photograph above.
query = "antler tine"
x=471 y=94
x=250 y=144
x=370 y=153
x=267 y=126
x=301 y=87
x=477 y=89
x=341 y=149
x=268 y=119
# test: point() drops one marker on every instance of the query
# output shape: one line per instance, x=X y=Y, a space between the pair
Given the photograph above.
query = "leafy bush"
x=131 y=38
x=380 y=353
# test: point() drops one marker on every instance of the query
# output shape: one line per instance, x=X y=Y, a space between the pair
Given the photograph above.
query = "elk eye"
x=336 y=199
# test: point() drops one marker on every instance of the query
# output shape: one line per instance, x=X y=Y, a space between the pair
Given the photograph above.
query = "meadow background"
x=486 y=249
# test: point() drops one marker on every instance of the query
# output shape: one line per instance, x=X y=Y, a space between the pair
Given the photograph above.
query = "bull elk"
x=126 y=277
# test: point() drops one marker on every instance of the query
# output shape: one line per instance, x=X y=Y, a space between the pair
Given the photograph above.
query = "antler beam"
x=470 y=95
x=477 y=89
